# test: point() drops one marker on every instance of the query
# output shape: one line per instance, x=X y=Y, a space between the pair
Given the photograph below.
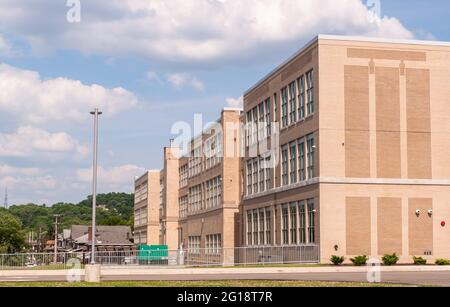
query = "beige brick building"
x=169 y=209
x=209 y=194
x=146 y=209
x=364 y=150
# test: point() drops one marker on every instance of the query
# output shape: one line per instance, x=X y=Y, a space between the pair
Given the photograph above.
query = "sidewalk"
x=123 y=271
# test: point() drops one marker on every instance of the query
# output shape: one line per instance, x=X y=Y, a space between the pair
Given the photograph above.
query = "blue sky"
x=147 y=65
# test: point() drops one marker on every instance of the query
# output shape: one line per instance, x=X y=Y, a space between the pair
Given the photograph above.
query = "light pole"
x=96 y=114
x=56 y=216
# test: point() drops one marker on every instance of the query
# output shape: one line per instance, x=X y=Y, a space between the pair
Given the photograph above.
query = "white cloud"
x=6 y=48
x=153 y=76
x=28 y=140
x=25 y=183
x=119 y=177
x=7 y=170
x=235 y=102
x=179 y=80
x=190 y=31
x=34 y=100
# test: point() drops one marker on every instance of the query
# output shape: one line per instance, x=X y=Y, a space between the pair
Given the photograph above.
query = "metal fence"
x=241 y=256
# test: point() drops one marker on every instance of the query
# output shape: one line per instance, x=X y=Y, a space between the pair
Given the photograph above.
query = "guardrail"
x=240 y=256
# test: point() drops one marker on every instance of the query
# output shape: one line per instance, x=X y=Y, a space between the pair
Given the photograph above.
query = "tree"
x=12 y=236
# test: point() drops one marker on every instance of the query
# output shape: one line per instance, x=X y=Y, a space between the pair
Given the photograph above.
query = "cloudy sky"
x=148 y=64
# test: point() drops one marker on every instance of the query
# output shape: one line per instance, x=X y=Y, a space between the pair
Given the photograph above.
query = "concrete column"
x=92 y=273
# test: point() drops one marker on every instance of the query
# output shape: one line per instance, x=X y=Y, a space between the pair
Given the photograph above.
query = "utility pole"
x=96 y=114
x=56 y=216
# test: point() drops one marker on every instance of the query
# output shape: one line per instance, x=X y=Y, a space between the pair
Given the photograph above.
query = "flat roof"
x=347 y=38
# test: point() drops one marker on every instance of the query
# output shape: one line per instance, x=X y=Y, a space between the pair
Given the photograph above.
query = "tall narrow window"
x=268 y=226
x=301 y=97
x=275 y=108
x=255 y=228
x=292 y=103
x=262 y=175
x=285 y=226
x=311 y=149
x=293 y=212
x=268 y=173
x=311 y=222
x=255 y=175
x=302 y=222
x=249 y=177
x=293 y=163
x=255 y=125
x=261 y=124
x=310 y=91
x=301 y=160
x=249 y=228
x=262 y=228
x=284 y=107
x=284 y=165
x=268 y=123
x=249 y=128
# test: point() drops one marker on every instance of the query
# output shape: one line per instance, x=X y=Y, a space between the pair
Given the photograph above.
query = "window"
x=213 y=244
x=311 y=221
x=195 y=199
x=285 y=219
x=249 y=177
x=255 y=175
x=255 y=125
x=262 y=127
x=292 y=103
x=301 y=161
x=194 y=244
x=301 y=97
x=249 y=228
x=310 y=92
x=262 y=230
x=268 y=173
x=249 y=128
x=293 y=163
x=275 y=107
x=284 y=107
x=310 y=156
x=284 y=165
x=183 y=176
x=183 y=203
x=268 y=118
x=255 y=227
x=262 y=175
x=268 y=226
x=293 y=223
x=302 y=222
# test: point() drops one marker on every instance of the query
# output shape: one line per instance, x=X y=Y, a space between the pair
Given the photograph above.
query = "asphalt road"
x=410 y=278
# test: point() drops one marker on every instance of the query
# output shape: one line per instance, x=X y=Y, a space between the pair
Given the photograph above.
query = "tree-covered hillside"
x=112 y=209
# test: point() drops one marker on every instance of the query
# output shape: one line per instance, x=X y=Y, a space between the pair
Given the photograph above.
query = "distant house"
x=108 y=238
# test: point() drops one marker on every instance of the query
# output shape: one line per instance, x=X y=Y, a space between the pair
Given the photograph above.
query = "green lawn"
x=211 y=284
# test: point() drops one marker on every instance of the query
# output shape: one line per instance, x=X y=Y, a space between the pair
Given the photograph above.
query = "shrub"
x=336 y=260
x=390 y=259
x=419 y=261
x=442 y=262
x=360 y=260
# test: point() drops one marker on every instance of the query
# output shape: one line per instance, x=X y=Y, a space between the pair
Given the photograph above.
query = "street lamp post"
x=96 y=114
x=55 y=260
